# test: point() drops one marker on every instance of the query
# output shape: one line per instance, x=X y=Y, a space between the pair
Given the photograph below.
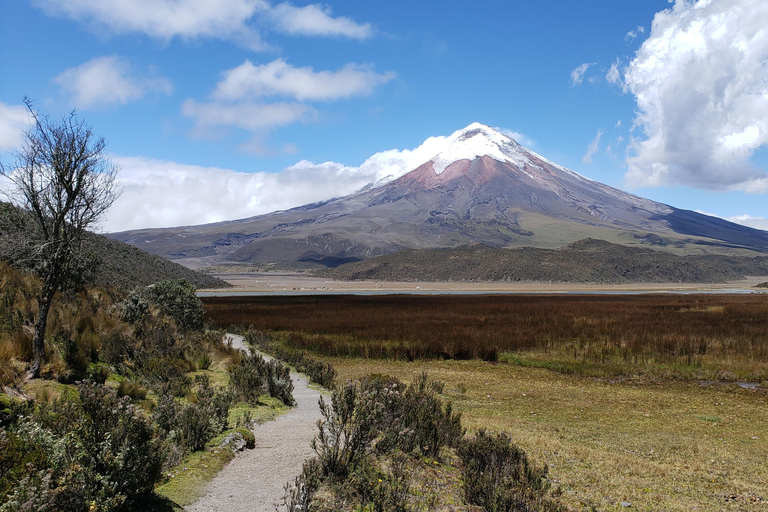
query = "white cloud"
x=699 y=81
x=108 y=80
x=520 y=138
x=614 y=76
x=748 y=220
x=208 y=194
x=593 y=147
x=744 y=220
x=239 y=98
x=281 y=79
x=316 y=20
x=577 y=75
x=232 y=20
x=13 y=120
x=247 y=115
x=633 y=34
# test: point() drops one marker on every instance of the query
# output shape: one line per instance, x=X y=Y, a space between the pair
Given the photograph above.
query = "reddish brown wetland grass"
x=705 y=336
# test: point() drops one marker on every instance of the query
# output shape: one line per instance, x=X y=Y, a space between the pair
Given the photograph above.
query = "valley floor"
x=281 y=282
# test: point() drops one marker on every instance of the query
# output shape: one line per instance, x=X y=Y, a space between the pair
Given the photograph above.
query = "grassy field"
x=658 y=446
x=628 y=399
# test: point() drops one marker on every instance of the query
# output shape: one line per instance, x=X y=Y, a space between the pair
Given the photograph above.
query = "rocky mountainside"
x=483 y=187
x=585 y=261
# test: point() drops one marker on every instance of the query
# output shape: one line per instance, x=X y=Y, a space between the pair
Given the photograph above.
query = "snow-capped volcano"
x=475 y=186
x=478 y=140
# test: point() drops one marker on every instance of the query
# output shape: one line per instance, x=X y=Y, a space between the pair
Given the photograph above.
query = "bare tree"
x=60 y=184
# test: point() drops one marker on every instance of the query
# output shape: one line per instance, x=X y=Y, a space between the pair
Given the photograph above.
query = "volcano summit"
x=481 y=187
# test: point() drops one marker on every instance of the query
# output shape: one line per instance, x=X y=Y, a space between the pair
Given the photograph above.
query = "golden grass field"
x=658 y=446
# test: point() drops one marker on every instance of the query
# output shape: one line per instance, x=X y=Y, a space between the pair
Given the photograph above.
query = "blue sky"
x=222 y=110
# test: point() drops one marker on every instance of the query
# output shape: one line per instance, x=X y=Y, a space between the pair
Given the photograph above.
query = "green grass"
x=189 y=480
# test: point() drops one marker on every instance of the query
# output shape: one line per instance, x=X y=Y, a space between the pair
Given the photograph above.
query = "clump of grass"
x=132 y=390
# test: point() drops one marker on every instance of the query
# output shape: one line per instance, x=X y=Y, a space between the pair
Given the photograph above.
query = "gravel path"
x=254 y=480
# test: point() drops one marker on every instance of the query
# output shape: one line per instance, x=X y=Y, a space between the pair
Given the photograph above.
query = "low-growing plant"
x=91 y=451
x=132 y=390
x=253 y=376
x=499 y=477
x=99 y=373
x=319 y=372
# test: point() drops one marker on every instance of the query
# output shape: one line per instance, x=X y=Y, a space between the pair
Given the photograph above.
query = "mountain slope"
x=483 y=187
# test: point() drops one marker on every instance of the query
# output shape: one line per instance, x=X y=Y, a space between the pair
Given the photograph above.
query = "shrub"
x=115 y=347
x=98 y=452
x=319 y=372
x=499 y=477
x=200 y=421
x=253 y=376
x=347 y=428
x=177 y=299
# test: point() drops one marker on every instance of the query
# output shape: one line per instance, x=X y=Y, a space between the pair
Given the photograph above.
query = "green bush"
x=253 y=376
x=95 y=450
x=499 y=477
x=200 y=421
x=420 y=421
x=348 y=426
x=99 y=373
x=319 y=372
x=177 y=299
x=132 y=390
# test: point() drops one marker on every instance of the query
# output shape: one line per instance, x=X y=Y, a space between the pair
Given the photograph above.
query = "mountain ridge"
x=481 y=187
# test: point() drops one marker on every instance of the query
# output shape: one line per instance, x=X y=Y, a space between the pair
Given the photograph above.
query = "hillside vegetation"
x=125 y=266
x=131 y=388
x=586 y=261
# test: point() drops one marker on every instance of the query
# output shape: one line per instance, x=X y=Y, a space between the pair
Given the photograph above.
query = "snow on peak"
x=478 y=140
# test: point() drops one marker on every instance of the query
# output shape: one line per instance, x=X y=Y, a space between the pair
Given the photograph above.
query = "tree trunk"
x=38 y=341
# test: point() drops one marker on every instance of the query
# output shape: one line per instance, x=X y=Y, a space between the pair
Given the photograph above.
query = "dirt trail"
x=254 y=480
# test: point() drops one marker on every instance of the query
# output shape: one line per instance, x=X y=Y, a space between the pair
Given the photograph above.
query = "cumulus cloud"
x=279 y=78
x=108 y=80
x=245 y=115
x=520 y=138
x=232 y=20
x=744 y=220
x=208 y=194
x=316 y=20
x=699 y=81
x=577 y=75
x=240 y=98
x=13 y=120
x=593 y=147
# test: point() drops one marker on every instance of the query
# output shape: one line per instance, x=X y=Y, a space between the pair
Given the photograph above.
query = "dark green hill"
x=125 y=266
x=586 y=261
x=115 y=263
